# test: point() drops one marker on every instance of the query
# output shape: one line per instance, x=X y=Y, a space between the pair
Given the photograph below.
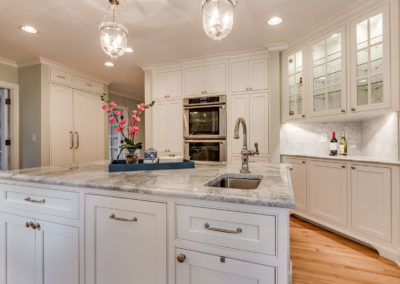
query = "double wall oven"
x=205 y=128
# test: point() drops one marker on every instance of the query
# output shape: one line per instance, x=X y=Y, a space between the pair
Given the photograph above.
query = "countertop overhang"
x=275 y=189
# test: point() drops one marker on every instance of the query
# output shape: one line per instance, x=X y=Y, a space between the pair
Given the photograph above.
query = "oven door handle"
x=203 y=106
x=205 y=141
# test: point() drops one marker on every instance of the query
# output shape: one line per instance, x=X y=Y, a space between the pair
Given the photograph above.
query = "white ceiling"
x=159 y=31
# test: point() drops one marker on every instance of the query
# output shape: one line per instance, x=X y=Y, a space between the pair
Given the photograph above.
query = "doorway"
x=5 y=126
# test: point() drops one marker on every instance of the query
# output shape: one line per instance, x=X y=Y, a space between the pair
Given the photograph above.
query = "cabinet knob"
x=27 y=224
x=303 y=115
x=33 y=226
x=251 y=88
x=343 y=166
x=343 y=110
x=181 y=258
x=222 y=259
x=304 y=162
x=353 y=109
x=353 y=168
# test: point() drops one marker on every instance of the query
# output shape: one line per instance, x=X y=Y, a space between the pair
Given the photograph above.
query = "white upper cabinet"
x=328 y=73
x=167 y=85
x=295 y=90
x=370 y=61
x=249 y=75
x=205 y=80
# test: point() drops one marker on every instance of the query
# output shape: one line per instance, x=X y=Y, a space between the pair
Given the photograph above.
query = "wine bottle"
x=333 y=145
x=343 y=146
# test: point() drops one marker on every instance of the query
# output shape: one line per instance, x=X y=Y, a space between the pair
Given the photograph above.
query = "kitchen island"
x=87 y=225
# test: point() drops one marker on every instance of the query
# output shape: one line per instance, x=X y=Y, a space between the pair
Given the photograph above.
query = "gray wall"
x=8 y=74
x=30 y=115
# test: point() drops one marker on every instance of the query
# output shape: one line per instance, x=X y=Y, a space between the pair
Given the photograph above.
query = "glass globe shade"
x=218 y=18
x=113 y=34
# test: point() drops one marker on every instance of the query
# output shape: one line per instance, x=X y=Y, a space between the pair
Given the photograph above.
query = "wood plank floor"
x=319 y=256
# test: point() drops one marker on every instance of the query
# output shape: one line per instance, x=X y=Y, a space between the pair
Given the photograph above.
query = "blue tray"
x=122 y=166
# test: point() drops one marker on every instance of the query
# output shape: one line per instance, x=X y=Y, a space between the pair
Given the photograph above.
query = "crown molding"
x=113 y=92
x=8 y=62
x=278 y=46
x=46 y=61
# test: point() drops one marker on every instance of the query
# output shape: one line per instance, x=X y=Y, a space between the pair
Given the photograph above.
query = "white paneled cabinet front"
x=37 y=252
x=299 y=182
x=76 y=126
x=168 y=126
x=249 y=76
x=125 y=241
x=167 y=85
x=371 y=188
x=327 y=191
x=205 y=80
x=200 y=268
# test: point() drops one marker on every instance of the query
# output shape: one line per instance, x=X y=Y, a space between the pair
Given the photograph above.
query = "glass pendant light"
x=113 y=34
x=218 y=18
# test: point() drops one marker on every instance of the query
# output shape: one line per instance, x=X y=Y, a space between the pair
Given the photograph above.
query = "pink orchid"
x=104 y=106
x=135 y=118
x=111 y=120
x=117 y=112
x=109 y=110
x=135 y=133
x=119 y=129
x=135 y=112
x=113 y=105
x=122 y=122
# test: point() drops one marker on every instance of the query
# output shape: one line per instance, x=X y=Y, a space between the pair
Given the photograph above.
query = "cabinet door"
x=174 y=127
x=125 y=241
x=295 y=99
x=160 y=86
x=174 y=84
x=57 y=257
x=195 y=81
x=327 y=191
x=371 y=201
x=240 y=77
x=240 y=108
x=299 y=182
x=160 y=130
x=17 y=250
x=370 y=61
x=258 y=124
x=258 y=75
x=200 y=268
x=89 y=127
x=215 y=79
x=61 y=125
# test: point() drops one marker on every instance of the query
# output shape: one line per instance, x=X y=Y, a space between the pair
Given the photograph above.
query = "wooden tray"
x=122 y=166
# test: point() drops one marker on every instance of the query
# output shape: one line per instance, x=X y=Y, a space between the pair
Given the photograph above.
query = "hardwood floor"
x=319 y=256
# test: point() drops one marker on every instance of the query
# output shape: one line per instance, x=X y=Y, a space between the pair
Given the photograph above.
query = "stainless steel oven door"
x=204 y=122
x=206 y=150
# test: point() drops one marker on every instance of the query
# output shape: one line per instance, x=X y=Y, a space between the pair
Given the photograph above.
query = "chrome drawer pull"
x=113 y=217
x=35 y=201
x=207 y=227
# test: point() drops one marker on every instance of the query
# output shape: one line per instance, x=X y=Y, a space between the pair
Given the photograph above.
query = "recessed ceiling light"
x=29 y=29
x=275 y=21
x=109 y=64
x=129 y=49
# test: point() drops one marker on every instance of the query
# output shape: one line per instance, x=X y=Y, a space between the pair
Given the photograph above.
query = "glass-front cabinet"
x=370 y=62
x=295 y=85
x=327 y=90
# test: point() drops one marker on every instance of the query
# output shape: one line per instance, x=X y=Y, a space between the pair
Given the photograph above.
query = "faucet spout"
x=241 y=121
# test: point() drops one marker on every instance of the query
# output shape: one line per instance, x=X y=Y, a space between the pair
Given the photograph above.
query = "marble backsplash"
x=375 y=137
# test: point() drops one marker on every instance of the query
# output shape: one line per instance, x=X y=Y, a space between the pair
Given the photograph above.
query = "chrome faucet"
x=245 y=152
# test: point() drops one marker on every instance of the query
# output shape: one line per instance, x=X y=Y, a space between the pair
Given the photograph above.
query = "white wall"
x=375 y=137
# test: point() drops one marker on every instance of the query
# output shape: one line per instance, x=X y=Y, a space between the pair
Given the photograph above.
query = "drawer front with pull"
x=61 y=77
x=238 y=230
x=88 y=85
x=52 y=202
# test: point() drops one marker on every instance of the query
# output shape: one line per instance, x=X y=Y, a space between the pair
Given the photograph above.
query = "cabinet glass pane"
x=291 y=105
x=362 y=92
x=376 y=28
x=362 y=34
x=299 y=82
x=300 y=103
x=334 y=46
x=377 y=89
x=319 y=100
x=377 y=59
x=292 y=85
x=362 y=63
x=319 y=77
x=334 y=97
x=299 y=61
x=319 y=53
x=334 y=74
x=291 y=64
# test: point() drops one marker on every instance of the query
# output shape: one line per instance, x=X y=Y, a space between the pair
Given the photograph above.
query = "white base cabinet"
x=356 y=199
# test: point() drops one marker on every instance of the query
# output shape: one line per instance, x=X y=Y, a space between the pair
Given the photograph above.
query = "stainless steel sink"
x=238 y=181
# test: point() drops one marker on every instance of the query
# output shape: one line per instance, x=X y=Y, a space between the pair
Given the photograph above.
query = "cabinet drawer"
x=52 y=202
x=61 y=77
x=88 y=85
x=211 y=269
x=237 y=230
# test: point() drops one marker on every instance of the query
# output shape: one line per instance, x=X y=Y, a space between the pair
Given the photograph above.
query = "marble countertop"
x=275 y=189
x=349 y=158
